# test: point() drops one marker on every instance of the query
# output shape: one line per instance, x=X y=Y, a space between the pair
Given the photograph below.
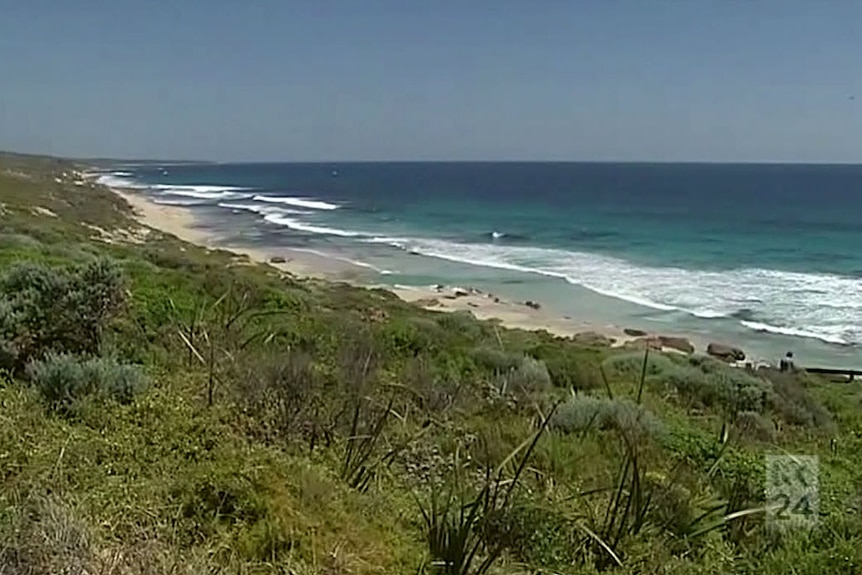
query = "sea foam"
x=308 y=203
x=821 y=306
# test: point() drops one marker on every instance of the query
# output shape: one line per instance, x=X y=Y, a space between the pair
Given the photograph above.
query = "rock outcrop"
x=725 y=352
x=677 y=343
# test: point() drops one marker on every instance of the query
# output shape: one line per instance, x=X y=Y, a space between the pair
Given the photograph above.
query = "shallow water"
x=765 y=257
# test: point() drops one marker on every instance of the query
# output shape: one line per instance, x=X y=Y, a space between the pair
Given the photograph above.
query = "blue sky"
x=656 y=80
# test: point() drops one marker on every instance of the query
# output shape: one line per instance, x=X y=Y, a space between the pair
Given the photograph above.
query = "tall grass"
x=457 y=519
x=636 y=500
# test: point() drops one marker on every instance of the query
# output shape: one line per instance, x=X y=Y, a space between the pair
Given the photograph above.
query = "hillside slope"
x=170 y=409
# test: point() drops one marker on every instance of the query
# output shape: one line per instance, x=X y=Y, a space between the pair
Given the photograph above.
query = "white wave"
x=122 y=174
x=308 y=203
x=707 y=313
x=758 y=326
x=497 y=235
x=814 y=305
x=258 y=209
x=204 y=195
x=190 y=202
x=295 y=224
x=200 y=189
x=113 y=181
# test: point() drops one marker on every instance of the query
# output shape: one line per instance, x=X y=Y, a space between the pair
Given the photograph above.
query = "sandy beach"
x=180 y=222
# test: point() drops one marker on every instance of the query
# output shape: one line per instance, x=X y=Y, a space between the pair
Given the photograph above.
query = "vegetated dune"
x=165 y=407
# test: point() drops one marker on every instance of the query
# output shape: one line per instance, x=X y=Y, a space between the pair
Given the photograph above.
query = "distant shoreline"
x=181 y=222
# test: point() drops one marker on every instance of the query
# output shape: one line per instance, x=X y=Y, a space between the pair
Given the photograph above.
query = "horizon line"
x=166 y=161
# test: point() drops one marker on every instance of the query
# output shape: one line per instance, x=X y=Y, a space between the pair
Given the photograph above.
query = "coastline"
x=182 y=223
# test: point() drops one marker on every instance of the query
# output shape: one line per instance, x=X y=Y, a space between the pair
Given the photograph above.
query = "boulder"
x=677 y=343
x=532 y=304
x=458 y=292
x=725 y=352
x=634 y=332
x=277 y=260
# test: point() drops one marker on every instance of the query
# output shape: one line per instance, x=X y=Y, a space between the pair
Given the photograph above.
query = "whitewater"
x=814 y=305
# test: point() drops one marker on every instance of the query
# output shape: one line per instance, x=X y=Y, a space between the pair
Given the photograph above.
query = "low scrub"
x=631 y=364
x=530 y=376
x=45 y=309
x=581 y=413
x=63 y=379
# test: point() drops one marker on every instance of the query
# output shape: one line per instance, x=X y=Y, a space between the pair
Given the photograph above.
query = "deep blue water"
x=771 y=247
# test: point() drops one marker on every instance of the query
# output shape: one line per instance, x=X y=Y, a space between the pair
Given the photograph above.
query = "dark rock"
x=725 y=352
x=677 y=343
x=634 y=332
x=532 y=304
x=458 y=292
x=277 y=260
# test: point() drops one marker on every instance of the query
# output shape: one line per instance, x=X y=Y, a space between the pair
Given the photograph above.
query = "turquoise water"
x=764 y=256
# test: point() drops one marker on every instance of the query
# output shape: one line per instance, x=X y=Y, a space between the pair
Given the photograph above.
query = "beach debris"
x=532 y=304
x=725 y=352
x=635 y=332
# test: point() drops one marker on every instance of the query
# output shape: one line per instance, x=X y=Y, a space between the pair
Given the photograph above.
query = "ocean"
x=766 y=257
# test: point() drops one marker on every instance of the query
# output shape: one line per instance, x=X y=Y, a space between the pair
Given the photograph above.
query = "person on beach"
x=786 y=363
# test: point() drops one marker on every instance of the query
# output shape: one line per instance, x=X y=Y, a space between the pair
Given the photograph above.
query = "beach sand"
x=181 y=222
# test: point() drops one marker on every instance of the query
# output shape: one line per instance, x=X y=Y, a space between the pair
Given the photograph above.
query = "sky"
x=322 y=80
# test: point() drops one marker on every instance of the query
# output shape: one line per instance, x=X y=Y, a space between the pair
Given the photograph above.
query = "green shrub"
x=569 y=367
x=45 y=309
x=62 y=379
x=530 y=376
x=581 y=412
x=631 y=364
x=752 y=424
x=533 y=533
x=463 y=324
x=497 y=360
x=729 y=389
x=793 y=403
x=19 y=241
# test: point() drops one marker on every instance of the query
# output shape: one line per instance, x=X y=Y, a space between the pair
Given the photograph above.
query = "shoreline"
x=180 y=222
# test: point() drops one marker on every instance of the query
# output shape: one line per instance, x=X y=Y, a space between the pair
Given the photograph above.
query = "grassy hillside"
x=170 y=409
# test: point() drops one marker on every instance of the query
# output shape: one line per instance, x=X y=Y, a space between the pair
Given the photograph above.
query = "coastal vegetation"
x=167 y=408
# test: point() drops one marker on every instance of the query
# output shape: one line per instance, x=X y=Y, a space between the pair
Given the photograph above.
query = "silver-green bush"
x=63 y=379
x=582 y=412
x=530 y=376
